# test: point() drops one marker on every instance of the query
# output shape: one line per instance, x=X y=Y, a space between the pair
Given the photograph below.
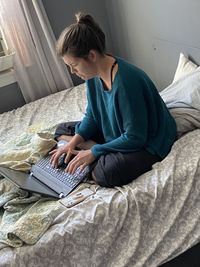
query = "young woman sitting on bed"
x=127 y=127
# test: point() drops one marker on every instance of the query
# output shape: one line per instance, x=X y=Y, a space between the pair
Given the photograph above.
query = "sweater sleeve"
x=133 y=112
x=87 y=128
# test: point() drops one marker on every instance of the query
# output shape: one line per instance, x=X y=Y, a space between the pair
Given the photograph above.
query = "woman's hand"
x=82 y=159
x=56 y=153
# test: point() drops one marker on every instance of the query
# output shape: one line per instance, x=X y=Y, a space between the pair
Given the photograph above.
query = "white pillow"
x=185 y=66
x=183 y=99
x=184 y=93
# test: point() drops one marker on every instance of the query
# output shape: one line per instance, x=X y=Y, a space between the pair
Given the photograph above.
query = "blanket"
x=142 y=224
x=24 y=217
x=187 y=119
x=24 y=142
x=26 y=149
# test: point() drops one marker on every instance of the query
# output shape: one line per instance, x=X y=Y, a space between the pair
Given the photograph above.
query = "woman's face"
x=84 y=68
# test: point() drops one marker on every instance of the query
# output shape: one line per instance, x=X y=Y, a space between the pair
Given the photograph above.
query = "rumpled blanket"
x=142 y=224
x=26 y=149
x=24 y=216
x=187 y=119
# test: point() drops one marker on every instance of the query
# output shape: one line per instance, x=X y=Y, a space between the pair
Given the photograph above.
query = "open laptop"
x=45 y=179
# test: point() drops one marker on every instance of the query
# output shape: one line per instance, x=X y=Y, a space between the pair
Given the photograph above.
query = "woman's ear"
x=92 y=56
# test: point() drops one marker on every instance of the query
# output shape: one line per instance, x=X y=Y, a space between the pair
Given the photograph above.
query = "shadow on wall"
x=11 y=97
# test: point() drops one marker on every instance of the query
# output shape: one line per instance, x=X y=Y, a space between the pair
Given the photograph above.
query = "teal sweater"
x=131 y=116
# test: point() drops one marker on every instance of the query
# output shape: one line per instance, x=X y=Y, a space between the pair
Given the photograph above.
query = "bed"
x=143 y=224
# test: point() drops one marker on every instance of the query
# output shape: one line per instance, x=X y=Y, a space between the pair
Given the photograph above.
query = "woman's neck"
x=105 y=68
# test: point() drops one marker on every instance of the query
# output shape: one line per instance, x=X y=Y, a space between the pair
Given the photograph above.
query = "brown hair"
x=79 y=38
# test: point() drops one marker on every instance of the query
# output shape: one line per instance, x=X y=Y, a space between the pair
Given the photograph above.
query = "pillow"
x=185 y=66
x=184 y=93
x=183 y=100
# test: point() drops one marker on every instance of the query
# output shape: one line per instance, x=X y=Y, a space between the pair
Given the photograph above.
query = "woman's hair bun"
x=81 y=37
x=86 y=19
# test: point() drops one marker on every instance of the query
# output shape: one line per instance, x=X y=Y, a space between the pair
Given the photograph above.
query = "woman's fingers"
x=54 y=158
x=75 y=152
x=79 y=166
x=82 y=159
x=54 y=161
x=73 y=165
x=56 y=154
x=53 y=151
x=68 y=156
x=76 y=162
x=82 y=167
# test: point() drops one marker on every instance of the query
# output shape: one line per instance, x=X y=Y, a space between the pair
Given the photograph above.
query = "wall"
x=10 y=97
x=151 y=34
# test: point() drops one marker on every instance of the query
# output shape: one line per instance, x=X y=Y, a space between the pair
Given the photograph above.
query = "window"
x=6 y=58
x=3 y=46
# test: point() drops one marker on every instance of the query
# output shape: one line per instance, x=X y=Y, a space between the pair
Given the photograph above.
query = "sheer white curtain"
x=39 y=71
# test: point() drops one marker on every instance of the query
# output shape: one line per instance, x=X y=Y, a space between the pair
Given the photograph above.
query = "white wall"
x=151 y=34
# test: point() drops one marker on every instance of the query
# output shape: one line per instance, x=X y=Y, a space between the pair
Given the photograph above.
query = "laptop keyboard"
x=44 y=168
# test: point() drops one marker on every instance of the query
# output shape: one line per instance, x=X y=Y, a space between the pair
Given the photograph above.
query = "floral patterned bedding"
x=142 y=224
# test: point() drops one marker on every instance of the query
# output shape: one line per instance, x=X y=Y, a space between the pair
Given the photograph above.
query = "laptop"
x=45 y=179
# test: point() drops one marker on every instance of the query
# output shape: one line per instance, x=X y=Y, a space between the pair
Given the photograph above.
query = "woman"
x=127 y=127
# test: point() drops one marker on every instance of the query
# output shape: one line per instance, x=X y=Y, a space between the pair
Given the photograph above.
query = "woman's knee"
x=116 y=169
x=101 y=180
x=108 y=171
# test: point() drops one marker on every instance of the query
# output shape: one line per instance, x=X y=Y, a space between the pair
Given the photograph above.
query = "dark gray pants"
x=114 y=169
